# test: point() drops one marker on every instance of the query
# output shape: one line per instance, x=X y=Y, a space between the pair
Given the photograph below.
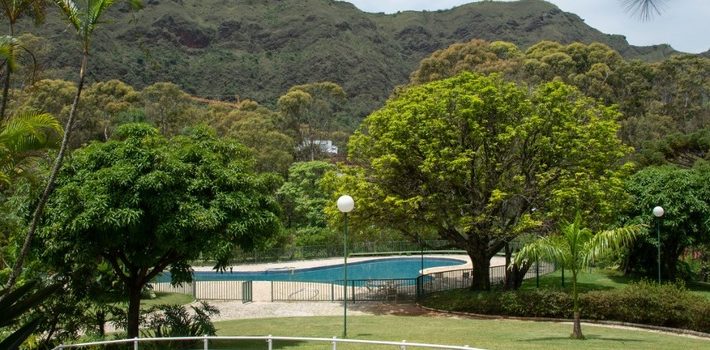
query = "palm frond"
x=7 y=44
x=644 y=9
x=611 y=240
x=71 y=11
x=549 y=248
x=30 y=132
x=4 y=178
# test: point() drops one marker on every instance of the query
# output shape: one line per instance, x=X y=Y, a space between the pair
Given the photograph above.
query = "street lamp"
x=346 y=204
x=658 y=213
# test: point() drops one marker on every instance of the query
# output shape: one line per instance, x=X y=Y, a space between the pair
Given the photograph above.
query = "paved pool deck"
x=304 y=264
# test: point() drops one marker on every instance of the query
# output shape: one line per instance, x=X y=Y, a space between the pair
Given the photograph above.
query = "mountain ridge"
x=258 y=49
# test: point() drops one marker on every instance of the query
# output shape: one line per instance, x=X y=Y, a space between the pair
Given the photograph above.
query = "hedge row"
x=668 y=305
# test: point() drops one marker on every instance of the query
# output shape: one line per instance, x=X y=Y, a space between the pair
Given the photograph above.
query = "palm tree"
x=645 y=9
x=21 y=137
x=13 y=10
x=575 y=249
x=84 y=20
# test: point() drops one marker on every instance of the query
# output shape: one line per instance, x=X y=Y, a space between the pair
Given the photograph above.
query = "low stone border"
x=546 y=319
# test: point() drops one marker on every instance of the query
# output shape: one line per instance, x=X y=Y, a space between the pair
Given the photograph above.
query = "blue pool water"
x=364 y=270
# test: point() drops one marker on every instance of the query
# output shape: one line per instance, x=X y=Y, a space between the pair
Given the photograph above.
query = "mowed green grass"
x=485 y=334
x=600 y=280
x=166 y=298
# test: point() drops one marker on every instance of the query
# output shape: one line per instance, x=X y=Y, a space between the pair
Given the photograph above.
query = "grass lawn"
x=166 y=298
x=600 y=280
x=486 y=334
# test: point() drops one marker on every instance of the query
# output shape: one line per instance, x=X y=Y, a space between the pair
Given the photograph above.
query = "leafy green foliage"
x=21 y=137
x=575 y=248
x=261 y=130
x=668 y=305
x=17 y=302
x=144 y=204
x=684 y=194
x=679 y=149
x=309 y=114
x=478 y=161
x=178 y=321
x=655 y=99
x=303 y=200
x=166 y=107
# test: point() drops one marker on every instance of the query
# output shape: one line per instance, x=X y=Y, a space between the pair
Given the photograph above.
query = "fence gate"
x=246 y=292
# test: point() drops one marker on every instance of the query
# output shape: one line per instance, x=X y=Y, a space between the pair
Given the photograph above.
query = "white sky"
x=684 y=24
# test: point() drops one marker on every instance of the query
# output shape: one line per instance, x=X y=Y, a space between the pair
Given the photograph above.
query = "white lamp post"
x=658 y=213
x=346 y=204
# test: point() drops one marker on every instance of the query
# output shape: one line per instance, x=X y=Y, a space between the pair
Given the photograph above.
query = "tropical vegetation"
x=201 y=135
x=576 y=248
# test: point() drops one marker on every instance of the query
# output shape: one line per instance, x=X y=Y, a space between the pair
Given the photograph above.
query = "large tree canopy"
x=480 y=160
x=144 y=204
x=684 y=194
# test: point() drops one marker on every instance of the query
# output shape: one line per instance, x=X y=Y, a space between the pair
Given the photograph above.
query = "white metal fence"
x=268 y=342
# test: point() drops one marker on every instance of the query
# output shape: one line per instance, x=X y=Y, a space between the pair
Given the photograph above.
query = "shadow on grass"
x=587 y=337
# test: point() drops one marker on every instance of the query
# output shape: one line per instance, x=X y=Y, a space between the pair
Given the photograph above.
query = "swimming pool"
x=387 y=268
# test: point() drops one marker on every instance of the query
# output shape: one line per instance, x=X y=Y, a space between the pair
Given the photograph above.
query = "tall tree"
x=258 y=128
x=303 y=200
x=13 y=10
x=479 y=161
x=84 y=20
x=103 y=103
x=145 y=204
x=309 y=112
x=575 y=248
x=165 y=107
x=684 y=194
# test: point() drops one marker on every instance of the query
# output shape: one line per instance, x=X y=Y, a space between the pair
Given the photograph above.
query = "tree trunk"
x=577 y=324
x=39 y=210
x=6 y=83
x=510 y=272
x=101 y=322
x=481 y=279
x=577 y=327
x=134 y=306
x=517 y=276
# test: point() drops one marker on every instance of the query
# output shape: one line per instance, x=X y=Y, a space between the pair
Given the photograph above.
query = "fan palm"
x=575 y=248
x=84 y=19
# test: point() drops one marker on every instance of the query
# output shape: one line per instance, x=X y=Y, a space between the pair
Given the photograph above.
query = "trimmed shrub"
x=668 y=305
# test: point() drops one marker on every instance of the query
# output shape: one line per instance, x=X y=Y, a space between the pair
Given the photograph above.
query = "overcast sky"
x=684 y=24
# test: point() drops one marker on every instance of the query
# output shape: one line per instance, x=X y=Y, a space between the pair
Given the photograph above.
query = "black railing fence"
x=400 y=289
x=395 y=289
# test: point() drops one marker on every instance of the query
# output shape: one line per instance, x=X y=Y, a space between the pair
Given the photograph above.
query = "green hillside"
x=257 y=49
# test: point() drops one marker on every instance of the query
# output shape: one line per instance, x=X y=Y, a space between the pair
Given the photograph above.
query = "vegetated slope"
x=257 y=49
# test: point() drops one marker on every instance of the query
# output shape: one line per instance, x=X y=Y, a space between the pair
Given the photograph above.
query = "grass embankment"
x=486 y=334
